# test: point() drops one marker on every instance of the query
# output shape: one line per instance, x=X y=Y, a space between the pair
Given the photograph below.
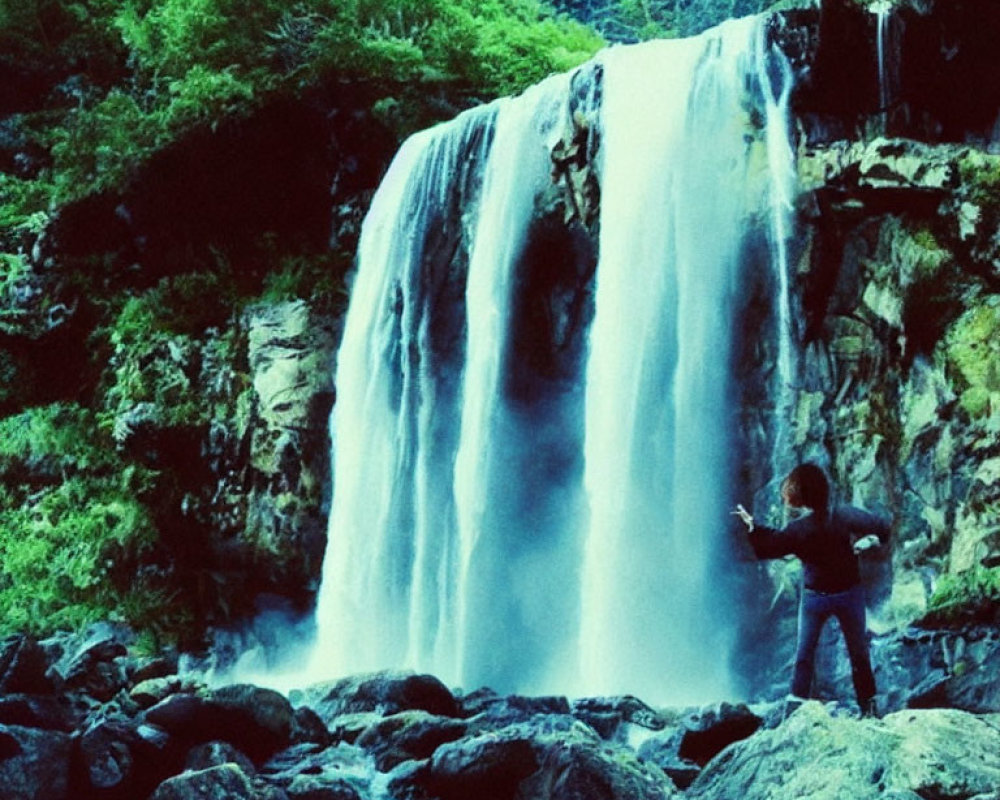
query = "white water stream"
x=462 y=541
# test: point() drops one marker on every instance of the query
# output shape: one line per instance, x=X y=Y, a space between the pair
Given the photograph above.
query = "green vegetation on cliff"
x=72 y=525
x=638 y=20
x=139 y=73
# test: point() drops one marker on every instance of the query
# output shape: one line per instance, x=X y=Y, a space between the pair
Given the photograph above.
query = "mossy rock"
x=980 y=173
x=973 y=347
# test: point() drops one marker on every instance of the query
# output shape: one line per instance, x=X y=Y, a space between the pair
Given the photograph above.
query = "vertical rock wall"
x=896 y=287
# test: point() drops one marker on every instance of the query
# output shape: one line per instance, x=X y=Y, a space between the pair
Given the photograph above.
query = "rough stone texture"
x=407 y=736
x=34 y=764
x=290 y=350
x=942 y=754
x=225 y=782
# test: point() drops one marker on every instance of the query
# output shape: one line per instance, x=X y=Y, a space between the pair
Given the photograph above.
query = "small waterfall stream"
x=556 y=530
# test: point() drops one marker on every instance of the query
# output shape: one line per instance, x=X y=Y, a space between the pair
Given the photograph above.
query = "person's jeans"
x=849 y=609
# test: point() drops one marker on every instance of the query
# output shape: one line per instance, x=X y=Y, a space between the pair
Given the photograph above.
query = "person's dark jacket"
x=824 y=542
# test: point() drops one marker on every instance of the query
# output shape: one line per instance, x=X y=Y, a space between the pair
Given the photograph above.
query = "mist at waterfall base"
x=532 y=437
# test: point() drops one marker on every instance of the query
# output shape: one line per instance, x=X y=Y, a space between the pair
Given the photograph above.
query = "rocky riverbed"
x=89 y=717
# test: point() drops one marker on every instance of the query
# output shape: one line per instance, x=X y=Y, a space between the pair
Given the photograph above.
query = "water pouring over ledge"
x=531 y=455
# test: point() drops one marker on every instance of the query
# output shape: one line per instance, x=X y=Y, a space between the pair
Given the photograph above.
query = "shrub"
x=72 y=524
x=48 y=443
x=98 y=147
x=973 y=594
x=157 y=345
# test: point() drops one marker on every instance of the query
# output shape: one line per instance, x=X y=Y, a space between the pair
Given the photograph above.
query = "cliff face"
x=895 y=285
x=896 y=282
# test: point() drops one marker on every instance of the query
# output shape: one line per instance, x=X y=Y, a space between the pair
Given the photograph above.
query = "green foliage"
x=170 y=37
x=319 y=279
x=97 y=147
x=973 y=594
x=157 y=347
x=14 y=277
x=31 y=30
x=23 y=206
x=50 y=442
x=195 y=62
x=640 y=20
x=973 y=349
x=980 y=175
x=497 y=46
x=72 y=523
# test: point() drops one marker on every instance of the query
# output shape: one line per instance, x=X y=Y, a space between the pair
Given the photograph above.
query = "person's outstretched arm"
x=766 y=542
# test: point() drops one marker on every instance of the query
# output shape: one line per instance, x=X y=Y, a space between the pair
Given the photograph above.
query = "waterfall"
x=882 y=9
x=774 y=77
x=520 y=500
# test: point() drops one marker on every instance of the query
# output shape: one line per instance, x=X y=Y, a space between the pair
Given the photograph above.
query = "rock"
x=884 y=164
x=94 y=662
x=580 y=769
x=308 y=727
x=684 y=748
x=225 y=782
x=256 y=721
x=261 y=719
x=710 y=733
x=179 y=713
x=106 y=756
x=408 y=735
x=290 y=352
x=120 y=758
x=606 y=714
x=487 y=767
x=821 y=756
x=214 y=754
x=47 y=712
x=34 y=764
x=969 y=682
x=552 y=756
x=386 y=692
x=23 y=666
x=314 y=787
x=151 y=691
x=495 y=712
x=157 y=667
x=307 y=771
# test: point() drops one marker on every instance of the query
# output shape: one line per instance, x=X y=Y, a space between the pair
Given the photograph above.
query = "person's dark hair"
x=807 y=487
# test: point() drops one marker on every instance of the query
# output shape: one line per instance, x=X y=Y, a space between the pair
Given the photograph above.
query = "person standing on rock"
x=827 y=542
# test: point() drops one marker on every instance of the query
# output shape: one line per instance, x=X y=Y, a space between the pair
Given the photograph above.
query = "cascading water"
x=883 y=9
x=560 y=529
x=774 y=77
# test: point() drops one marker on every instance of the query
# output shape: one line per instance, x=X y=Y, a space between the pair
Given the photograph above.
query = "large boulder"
x=816 y=754
x=259 y=722
x=385 y=692
x=34 y=764
x=551 y=756
x=224 y=782
x=23 y=666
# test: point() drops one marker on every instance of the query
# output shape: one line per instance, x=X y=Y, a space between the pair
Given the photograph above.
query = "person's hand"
x=745 y=516
x=866 y=543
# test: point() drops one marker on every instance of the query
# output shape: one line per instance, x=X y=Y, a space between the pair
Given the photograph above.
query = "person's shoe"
x=869 y=708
